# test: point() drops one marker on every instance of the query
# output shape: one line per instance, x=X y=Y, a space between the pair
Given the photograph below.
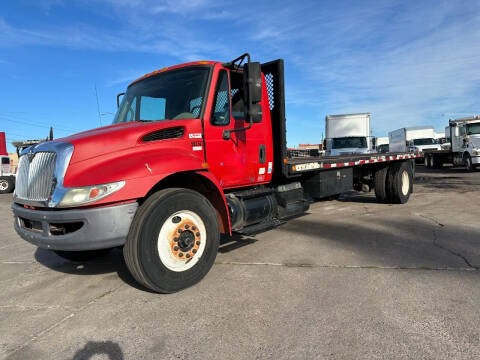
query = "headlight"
x=85 y=195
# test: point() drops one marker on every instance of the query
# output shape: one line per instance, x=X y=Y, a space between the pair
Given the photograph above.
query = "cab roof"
x=193 y=63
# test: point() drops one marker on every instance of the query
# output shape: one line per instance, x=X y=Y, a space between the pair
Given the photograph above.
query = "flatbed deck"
x=301 y=165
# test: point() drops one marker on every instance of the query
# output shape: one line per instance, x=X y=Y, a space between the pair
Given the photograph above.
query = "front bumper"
x=80 y=229
x=475 y=160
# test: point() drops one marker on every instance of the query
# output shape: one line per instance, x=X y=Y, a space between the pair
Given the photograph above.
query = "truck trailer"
x=464 y=147
x=348 y=134
x=195 y=150
x=413 y=139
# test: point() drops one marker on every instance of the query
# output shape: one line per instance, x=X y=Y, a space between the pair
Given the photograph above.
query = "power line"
x=37 y=125
x=15 y=118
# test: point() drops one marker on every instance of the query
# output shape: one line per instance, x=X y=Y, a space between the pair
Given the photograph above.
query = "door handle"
x=262 y=154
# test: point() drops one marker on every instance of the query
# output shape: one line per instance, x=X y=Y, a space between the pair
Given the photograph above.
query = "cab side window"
x=238 y=102
x=221 y=110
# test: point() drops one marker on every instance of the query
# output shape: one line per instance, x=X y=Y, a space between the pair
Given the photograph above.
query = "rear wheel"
x=6 y=185
x=82 y=255
x=400 y=182
x=380 y=184
x=173 y=240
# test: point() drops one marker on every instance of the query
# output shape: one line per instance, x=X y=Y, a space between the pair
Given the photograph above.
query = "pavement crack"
x=333 y=266
x=437 y=245
x=457 y=254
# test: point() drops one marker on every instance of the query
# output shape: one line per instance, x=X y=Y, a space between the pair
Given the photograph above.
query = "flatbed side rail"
x=298 y=166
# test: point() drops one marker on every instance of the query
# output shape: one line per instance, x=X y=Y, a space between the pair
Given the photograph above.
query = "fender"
x=224 y=212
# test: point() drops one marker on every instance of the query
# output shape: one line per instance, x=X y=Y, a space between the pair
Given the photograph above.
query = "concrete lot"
x=352 y=279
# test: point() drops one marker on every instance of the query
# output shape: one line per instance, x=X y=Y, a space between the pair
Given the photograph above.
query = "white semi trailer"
x=348 y=134
x=413 y=139
x=464 y=151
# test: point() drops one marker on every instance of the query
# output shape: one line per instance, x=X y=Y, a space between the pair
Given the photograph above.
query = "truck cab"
x=465 y=141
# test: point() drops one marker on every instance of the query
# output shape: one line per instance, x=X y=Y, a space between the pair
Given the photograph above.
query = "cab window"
x=221 y=110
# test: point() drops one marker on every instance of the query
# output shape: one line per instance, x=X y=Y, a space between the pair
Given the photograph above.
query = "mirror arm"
x=227 y=133
x=118 y=99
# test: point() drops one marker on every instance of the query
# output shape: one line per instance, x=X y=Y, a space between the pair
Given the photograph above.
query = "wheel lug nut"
x=187 y=256
x=194 y=228
x=198 y=242
x=197 y=234
x=180 y=254
x=194 y=251
x=175 y=248
x=187 y=226
x=180 y=230
x=175 y=239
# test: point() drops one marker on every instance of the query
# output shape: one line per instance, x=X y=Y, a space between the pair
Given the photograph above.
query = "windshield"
x=427 y=141
x=473 y=129
x=350 y=142
x=172 y=95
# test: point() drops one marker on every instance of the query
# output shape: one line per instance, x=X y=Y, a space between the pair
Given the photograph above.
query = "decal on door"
x=195 y=136
x=261 y=171
x=197 y=145
x=269 y=167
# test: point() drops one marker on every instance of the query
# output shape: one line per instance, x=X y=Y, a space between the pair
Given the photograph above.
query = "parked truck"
x=348 y=134
x=464 y=149
x=382 y=144
x=195 y=150
x=413 y=139
x=7 y=177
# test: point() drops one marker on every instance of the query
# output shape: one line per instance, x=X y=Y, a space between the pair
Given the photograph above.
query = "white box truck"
x=348 y=134
x=7 y=178
x=413 y=139
x=464 y=135
x=382 y=144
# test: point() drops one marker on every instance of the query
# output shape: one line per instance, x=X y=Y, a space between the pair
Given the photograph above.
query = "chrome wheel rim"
x=182 y=240
x=3 y=185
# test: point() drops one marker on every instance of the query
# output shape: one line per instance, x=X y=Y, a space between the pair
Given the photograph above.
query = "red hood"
x=113 y=138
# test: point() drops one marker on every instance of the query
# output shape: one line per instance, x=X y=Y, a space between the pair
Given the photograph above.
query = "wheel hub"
x=186 y=240
x=3 y=185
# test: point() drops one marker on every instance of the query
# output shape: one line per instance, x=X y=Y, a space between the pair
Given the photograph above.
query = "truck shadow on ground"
x=93 y=349
x=389 y=243
x=113 y=262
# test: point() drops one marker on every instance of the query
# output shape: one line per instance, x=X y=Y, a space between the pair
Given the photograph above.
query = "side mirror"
x=252 y=77
x=118 y=99
x=253 y=73
x=256 y=113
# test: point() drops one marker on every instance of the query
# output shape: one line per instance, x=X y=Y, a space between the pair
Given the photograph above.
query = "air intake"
x=164 y=134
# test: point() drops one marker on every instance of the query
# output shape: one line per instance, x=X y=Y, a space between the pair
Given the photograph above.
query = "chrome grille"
x=35 y=176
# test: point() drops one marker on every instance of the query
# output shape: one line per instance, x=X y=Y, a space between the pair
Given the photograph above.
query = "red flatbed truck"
x=196 y=150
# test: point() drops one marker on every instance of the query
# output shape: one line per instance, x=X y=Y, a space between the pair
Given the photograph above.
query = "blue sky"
x=406 y=62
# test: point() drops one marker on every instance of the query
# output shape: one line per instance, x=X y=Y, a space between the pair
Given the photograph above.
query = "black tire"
x=467 y=161
x=6 y=184
x=141 y=251
x=426 y=161
x=77 y=256
x=437 y=162
x=380 y=184
x=398 y=175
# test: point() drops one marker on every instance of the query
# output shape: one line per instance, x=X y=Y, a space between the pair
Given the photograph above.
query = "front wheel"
x=173 y=240
x=468 y=163
x=6 y=185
